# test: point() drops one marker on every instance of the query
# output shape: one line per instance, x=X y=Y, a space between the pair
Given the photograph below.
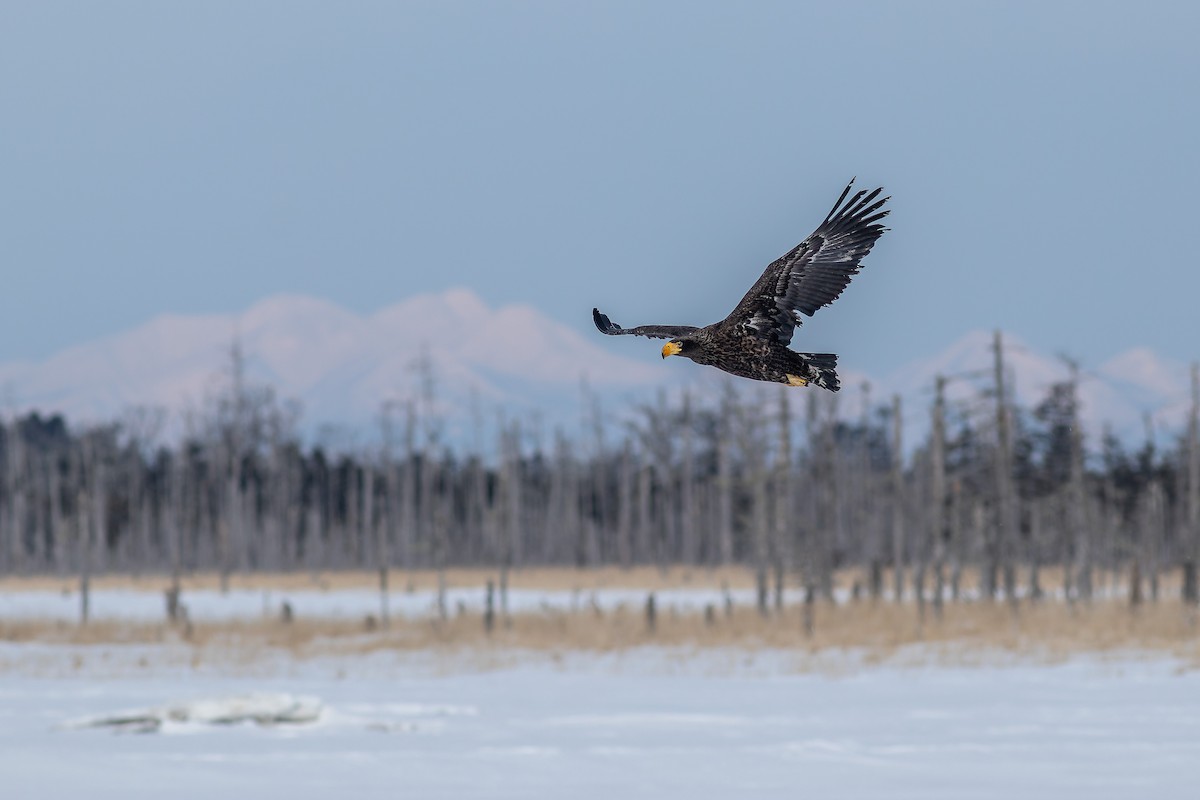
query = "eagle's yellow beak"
x=671 y=349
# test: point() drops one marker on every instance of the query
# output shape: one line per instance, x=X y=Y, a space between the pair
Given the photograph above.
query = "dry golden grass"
x=543 y=578
x=963 y=632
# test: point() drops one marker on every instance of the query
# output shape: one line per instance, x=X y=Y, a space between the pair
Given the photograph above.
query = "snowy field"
x=647 y=723
x=133 y=605
x=348 y=604
x=210 y=605
x=127 y=721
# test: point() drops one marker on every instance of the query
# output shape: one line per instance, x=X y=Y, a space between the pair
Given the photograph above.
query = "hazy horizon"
x=513 y=361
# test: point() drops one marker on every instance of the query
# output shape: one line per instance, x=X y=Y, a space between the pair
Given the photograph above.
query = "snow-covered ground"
x=645 y=723
x=150 y=720
x=241 y=604
x=143 y=605
x=356 y=604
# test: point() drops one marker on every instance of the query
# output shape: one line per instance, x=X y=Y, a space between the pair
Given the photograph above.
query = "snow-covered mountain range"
x=343 y=367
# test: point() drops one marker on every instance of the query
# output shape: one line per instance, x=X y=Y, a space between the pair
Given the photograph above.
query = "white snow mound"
x=263 y=708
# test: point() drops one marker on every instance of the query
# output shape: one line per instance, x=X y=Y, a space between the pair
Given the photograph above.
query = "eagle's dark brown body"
x=752 y=342
x=758 y=359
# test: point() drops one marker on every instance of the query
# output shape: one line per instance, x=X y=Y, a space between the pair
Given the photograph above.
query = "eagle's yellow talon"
x=796 y=380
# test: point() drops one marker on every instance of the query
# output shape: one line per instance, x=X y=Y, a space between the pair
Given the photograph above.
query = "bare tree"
x=937 y=493
x=1005 y=541
x=898 y=499
x=1191 y=591
x=727 y=413
x=783 y=500
x=1077 y=501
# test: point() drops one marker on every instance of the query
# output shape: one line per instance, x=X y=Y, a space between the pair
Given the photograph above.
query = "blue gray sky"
x=649 y=158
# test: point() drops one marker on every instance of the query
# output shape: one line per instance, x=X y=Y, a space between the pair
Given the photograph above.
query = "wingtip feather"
x=602 y=322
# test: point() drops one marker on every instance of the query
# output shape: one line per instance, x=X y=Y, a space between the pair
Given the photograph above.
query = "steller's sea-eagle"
x=752 y=342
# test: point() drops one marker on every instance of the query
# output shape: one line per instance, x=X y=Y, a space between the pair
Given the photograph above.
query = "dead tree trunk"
x=783 y=501
x=379 y=527
x=751 y=444
x=1005 y=545
x=689 y=524
x=514 y=512
x=1077 y=501
x=92 y=533
x=1191 y=589
x=58 y=513
x=14 y=520
x=625 y=492
x=1035 y=550
x=898 y=565
x=1152 y=535
x=724 y=547
x=644 y=546
x=595 y=523
x=175 y=521
x=407 y=534
x=937 y=493
x=828 y=500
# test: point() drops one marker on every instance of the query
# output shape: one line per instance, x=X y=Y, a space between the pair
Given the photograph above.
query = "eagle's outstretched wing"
x=815 y=272
x=606 y=325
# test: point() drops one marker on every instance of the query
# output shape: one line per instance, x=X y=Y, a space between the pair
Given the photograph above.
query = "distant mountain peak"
x=343 y=367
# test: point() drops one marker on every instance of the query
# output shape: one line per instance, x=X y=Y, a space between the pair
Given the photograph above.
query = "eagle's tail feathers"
x=822 y=370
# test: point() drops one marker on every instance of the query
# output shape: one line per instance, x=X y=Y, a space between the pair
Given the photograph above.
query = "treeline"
x=775 y=479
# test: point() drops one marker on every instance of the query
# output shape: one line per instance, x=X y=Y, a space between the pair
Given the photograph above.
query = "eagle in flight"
x=752 y=342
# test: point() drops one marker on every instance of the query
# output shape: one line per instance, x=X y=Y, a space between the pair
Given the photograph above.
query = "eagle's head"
x=675 y=347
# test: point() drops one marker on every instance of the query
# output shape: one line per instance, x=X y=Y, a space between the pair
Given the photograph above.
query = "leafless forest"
x=775 y=480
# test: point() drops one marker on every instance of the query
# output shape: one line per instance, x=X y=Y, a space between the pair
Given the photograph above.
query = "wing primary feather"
x=604 y=324
x=815 y=272
x=607 y=326
x=833 y=210
x=811 y=275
